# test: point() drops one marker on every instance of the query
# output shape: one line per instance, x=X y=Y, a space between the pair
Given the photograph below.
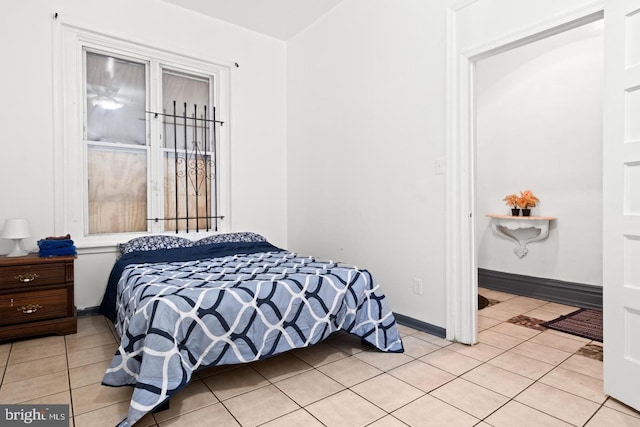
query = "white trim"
x=461 y=300
x=461 y=4
x=460 y=252
x=57 y=107
x=538 y=31
x=68 y=42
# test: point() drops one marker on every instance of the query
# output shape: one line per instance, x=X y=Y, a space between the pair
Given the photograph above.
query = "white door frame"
x=461 y=251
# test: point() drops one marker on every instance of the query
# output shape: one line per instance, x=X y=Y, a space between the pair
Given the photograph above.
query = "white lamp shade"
x=16 y=228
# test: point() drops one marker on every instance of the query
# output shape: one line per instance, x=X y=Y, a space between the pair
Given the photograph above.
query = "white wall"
x=366 y=121
x=333 y=155
x=539 y=127
x=257 y=122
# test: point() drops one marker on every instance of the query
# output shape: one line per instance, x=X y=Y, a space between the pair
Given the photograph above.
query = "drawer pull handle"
x=31 y=308
x=26 y=278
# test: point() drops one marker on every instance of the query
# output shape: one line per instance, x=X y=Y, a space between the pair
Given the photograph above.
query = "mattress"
x=181 y=309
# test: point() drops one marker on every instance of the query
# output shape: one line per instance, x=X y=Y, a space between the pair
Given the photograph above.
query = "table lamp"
x=16 y=229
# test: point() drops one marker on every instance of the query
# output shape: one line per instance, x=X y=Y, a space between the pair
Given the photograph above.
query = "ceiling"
x=281 y=19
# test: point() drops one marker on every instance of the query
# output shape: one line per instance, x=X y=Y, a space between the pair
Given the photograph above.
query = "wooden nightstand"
x=36 y=296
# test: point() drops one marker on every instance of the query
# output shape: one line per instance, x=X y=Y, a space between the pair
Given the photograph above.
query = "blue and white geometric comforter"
x=177 y=316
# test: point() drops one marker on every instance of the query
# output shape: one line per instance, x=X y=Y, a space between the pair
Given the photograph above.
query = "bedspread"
x=177 y=316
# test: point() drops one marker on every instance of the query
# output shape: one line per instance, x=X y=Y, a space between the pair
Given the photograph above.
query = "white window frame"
x=70 y=167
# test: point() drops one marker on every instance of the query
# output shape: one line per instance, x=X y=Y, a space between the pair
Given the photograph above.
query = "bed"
x=180 y=305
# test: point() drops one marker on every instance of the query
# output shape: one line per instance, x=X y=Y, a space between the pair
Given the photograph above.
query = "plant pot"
x=526 y=212
x=515 y=212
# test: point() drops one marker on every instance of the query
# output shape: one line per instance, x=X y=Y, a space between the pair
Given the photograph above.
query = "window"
x=120 y=156
x=117 y=146
x=141 y=145
x=189 y=168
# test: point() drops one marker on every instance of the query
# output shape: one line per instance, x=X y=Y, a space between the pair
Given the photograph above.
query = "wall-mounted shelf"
x=505 y=224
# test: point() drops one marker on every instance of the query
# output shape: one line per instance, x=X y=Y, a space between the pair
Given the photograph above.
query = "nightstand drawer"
x=31 y=274
x=23 y=307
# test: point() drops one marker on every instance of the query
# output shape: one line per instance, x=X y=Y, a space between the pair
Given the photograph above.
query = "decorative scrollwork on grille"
x=194 y=169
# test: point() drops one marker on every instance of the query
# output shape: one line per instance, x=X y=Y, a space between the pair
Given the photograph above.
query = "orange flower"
x=511 y=200
x=527 y=199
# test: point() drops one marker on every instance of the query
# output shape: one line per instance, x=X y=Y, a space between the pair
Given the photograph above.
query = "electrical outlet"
x=418 y=286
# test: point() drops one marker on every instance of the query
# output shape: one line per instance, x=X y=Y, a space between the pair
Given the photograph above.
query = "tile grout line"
x=510 y=399
x=66 y=357
x=6 y=366
x=536 y=381
x=555 y=366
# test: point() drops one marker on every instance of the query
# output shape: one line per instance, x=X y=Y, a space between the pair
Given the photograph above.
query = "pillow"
x=151 y=243
x=243 y=236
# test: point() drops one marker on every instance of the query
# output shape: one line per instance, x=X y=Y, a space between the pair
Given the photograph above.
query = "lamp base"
x=18 y=250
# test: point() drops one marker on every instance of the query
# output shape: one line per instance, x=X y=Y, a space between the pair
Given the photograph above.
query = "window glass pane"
x=116 y=100
x=188 y=147
x=117 y=190
x=194 y=91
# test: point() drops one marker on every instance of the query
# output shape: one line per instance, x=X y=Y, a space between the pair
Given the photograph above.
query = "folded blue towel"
x=56 y=247
x=55 y=244
x=48 y=252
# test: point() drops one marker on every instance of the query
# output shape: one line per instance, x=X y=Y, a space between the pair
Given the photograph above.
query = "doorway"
x=538 y=127
x=471 y=37
x=479 y=29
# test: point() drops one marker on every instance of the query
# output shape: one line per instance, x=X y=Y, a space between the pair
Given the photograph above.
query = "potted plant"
x=526 y=201
x=512 y=201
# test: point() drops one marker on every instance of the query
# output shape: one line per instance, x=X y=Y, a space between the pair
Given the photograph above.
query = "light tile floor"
x=515 y=376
